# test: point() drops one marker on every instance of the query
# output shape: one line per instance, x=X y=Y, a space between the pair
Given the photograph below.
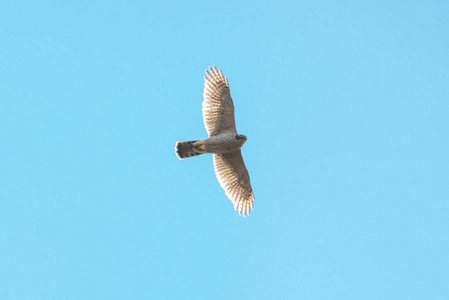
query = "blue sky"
x=346 y=109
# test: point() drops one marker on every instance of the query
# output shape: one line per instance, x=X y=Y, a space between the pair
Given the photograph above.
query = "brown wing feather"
x=218 y=108
x=234 y=179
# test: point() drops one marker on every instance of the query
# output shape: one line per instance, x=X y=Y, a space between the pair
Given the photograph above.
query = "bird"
x=223 y=142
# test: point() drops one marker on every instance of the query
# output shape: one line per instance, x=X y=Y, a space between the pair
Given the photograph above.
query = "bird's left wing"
x=234 y=179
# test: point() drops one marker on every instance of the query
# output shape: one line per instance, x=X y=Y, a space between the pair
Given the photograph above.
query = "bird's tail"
x=186 y=150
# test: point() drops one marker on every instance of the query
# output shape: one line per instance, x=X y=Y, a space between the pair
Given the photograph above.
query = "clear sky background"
x=346 y=109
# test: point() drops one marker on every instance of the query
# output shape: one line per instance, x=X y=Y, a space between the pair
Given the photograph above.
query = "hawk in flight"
x=224 y=142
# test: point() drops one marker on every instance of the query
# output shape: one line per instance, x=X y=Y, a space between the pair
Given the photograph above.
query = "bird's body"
x=224 y=142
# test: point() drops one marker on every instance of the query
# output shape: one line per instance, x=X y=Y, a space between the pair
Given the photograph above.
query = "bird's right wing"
x=234 y=179
x=218 y=108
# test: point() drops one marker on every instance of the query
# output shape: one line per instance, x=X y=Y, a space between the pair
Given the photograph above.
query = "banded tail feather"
x=186 y=149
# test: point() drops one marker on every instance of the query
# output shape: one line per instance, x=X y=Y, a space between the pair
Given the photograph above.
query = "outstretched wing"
x=218 y=108
x=234 y=179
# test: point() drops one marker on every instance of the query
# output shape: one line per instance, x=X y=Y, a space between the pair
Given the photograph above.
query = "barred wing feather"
x=234 y=179
x=218 y=108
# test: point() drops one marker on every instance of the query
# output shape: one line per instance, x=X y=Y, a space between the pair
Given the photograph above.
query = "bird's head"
x=240 y=138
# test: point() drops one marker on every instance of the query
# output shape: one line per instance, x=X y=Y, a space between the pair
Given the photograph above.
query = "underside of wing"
x=234 y=179
x=218 y=108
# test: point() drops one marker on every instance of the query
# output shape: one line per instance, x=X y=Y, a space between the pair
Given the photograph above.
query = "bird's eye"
x=237 y=137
